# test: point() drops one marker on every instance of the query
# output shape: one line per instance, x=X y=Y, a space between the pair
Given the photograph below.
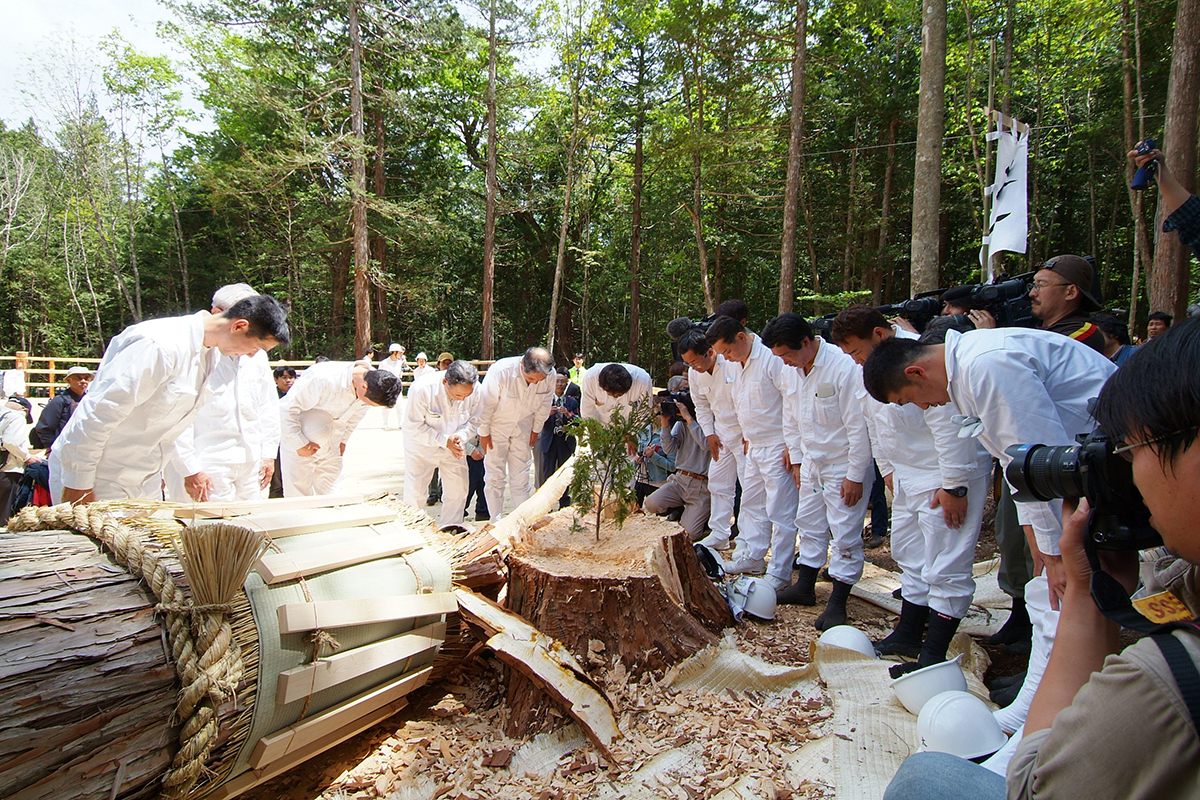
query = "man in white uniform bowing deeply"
x=515 y=404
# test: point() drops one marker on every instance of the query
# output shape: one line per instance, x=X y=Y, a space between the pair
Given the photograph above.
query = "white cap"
x=395 y=348
x=79 y=371
x=422 y=357
x=959 y=723
x=228 y=296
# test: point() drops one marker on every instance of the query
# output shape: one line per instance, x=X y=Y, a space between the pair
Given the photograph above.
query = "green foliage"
x=604 y=472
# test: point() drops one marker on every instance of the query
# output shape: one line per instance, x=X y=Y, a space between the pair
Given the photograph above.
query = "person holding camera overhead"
x=687 y=486
x=1109 y=724
x=1011 y=386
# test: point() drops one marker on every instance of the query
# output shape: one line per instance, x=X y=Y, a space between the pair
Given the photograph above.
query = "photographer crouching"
x=1104 y=724
x=688 y=485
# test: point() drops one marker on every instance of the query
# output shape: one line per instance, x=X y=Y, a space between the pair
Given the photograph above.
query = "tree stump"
x=639 y=595
x=86 y=689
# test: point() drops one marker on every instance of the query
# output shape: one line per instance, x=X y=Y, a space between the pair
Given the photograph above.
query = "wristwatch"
x=957 y=491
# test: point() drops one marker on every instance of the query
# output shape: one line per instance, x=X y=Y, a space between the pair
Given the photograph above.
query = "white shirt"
x=150 y=385
x=832 y=428
x=433 y=417
x=595 y=403
x=757 y=393
x=395 y=366
x=418 y=372
x=510 y=402
x=239 y=424
x=328 y=386
x=922 y=449
x=713 y=396
x=14 y=439
x=1025 y=387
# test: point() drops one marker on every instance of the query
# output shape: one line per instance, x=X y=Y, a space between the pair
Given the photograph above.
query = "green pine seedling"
x=604 y=472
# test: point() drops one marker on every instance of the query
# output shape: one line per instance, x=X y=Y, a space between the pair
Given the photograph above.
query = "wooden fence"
x=50 y=369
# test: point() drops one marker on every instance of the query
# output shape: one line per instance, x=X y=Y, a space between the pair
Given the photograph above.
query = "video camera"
x=1119 y=519
x=919 y=311
x=1008 y=301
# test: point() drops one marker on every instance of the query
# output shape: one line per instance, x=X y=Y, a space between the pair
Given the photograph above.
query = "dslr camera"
x=669 y=402
x=1119 y=518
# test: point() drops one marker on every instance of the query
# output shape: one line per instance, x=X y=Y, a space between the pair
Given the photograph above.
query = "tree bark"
x=379 y=242
x=86 y=688
x=488 y=344
x=791 y=197
x=1170 y=278
x=927 y=174
x=635 y=235
x=848 y=252
x=362 y=295
x=565 y=223
x=881 y=262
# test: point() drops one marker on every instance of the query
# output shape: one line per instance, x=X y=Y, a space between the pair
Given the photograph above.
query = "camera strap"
x=1181 y=665
x=1113 y=601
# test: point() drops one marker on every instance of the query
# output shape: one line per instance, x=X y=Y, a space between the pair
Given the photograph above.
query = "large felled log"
x=86 y=689
x=640 y=595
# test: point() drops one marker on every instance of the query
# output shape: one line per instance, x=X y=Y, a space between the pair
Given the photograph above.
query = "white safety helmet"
x=317 y=427
x=849 y=638
x=917 y=688
x=753 y=596
x=959 y=723
x=395 y=348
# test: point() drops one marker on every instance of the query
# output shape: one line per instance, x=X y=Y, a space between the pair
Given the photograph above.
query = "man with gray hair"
x=516 y=403
x=441 y=417
x=228 y=453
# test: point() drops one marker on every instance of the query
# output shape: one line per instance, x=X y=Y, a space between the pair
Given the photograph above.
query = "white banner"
x=1008 y=228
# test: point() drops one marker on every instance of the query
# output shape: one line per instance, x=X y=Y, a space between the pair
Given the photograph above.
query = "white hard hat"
x=959 y=723
x=317 y=427
x=395 y=348
x=915 y=689
x=849 y=638
x=760 y=598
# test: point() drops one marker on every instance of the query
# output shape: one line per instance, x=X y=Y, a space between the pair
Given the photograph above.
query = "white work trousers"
x=821 y=514
x=318 y=474
x=229 y=483
x=769 y=503
x=392 y=418
x=723 y=475
x=507 y=463
x=935 y=560
x=419 y=465
x=1045 y=626
x=107 y=490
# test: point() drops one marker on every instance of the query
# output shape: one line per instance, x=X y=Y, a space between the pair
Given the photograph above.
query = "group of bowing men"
x=188 y=403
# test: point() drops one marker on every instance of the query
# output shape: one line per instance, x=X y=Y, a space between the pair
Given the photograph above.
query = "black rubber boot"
x=800 y=593
x=905 y=639
x=1006 y=681
x=1005 y=697
x=941 y=630
x=1017 y=628
x=835 y=610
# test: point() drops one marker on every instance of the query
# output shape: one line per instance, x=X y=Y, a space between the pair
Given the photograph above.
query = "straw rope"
x=207 y=657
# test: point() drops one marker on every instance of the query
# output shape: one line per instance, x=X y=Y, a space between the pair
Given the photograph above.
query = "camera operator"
x=1011 y=386
x=682 y=437
x=959 y=301
x=710 y=379
x=1182 y=207
x=1062 y=299
x=1082 y=738
x=939 y=483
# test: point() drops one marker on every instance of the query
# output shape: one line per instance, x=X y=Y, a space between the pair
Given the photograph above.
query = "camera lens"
x=1045 y=472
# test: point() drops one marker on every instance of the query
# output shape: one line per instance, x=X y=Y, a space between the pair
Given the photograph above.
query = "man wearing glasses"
x=1062 y=299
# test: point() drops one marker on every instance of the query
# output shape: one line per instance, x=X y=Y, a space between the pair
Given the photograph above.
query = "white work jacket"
x=826 y=425
x=758 y=391
x=328 y=386
x=511 y=404
x=595 y=403
x=713 y=396
x=150 y=385
x=433 y=417
x=396 y=366
x=922 y=449
x=240 y=423
x=1024 y=386
x=14 y=439
x=420 y=372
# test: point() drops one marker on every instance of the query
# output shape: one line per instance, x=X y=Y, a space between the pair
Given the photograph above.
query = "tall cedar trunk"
x=488 y=348
x=565 y=223
x=362 y=288
x=693 y=98
x=1169 y=280
x=848 y=252
x=130 y=205
x=378 y=242
x=635 y=237
x=1132 y=69
x=881 y=263
x=1010 y=17
x=340 y=267
x=791 y=197
x=89 y=692
x=176 y=227
x=927 y=172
